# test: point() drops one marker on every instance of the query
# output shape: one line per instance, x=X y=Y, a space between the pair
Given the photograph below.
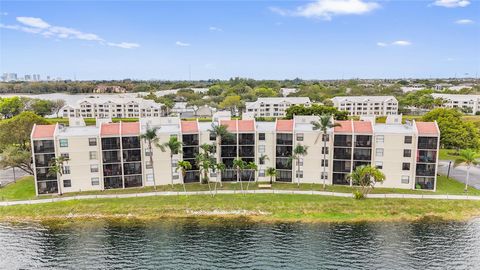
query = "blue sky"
x=322 y=39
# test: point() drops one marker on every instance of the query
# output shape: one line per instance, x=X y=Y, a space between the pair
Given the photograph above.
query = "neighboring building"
x=412 y=88
x=204 y=111
x=181 y=109
x=109 y=89
x=274 y=106
x=112 y=155
x=470 y=103
x=460 y=87
x=367 y=105
x=113 y=107
x=287 y=91
x=9 y=77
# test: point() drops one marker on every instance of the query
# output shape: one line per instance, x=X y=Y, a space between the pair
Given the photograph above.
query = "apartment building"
x=112 y=155
x=367 y=105
x=274 y=106
x=469 y=103
x=113 y=107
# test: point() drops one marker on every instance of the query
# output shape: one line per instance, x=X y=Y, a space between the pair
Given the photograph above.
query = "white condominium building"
x=471 y=102
x=113 y=155
x=367 y=105
x=113 y=107
x=274 y=106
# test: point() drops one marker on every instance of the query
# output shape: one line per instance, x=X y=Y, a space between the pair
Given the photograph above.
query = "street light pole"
x=449 y=165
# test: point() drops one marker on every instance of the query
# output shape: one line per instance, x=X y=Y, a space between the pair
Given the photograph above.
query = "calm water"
x=237 y=245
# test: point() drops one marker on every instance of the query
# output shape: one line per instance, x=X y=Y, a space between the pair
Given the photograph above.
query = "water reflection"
x=193 y=244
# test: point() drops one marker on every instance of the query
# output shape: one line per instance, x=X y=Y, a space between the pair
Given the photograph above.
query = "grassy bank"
x=24 y=189
x=259 y=207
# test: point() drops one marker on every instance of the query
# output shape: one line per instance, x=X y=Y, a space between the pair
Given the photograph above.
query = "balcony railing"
x=284 y=151
x=427 y=142
x=130 y=142
x=132 y=168
x=283 y=163
x=110 y=143
x=132 y=155
x=229 y=151
x=342 y=140
x=45 y=146
x=342 y=153
x=43 y=160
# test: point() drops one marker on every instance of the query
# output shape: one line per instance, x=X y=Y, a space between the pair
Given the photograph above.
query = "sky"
x=183 y=40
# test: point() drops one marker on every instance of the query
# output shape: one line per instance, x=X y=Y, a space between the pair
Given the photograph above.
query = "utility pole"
x=449 y=165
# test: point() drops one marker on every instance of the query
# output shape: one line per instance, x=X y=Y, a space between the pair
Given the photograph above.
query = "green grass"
x=448 y=154
x=24 y=189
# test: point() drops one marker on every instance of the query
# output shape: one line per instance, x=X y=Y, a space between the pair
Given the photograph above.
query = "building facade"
x=367 y=105
x=113 y=155
x=467 y=103
x=274 y=106
x=113 y=107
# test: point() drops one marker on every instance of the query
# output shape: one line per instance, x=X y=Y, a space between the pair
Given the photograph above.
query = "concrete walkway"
x=189 y=193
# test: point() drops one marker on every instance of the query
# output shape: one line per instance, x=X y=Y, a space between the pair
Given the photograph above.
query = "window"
x=406 y=166
x=149 y=177
x=324 y=162
x=299 y=137
x=148 y=164
x=325 y=150
x=300 y=174
x=63 y=142
x=261 y=173
x=379 y=164
x=67 y=183
x=379 y=152
x=380 y=139
x=148 y=152
x=212 y=136
x=261 y=148
x=405 y=179
x=261 y=136
x=325 y=138
x=92 y=141
x=213 y=174
x=93 y=155
x=94 y=168
x=65 y=155
x=66 y=169
x=261 y=160
x=175 y=177
x=174 y=163
x=407 y=153
x=408 y=140
x=95 y=181
x=324 y=175
x=300 y=162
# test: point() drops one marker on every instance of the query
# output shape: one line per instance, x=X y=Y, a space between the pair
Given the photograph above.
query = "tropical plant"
x=271 y=172
x=57 y=168
x=325 y=122
x=174 y=146
x=239 y=165
x=299 y=152
x=468 y=158
x=150 y=136
x=219 y=132
x=366 y=177
x=262 y=158
x=184 y=166
x=251 y=167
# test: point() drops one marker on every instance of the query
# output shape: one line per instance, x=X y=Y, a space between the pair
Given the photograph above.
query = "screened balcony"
x=427 y=142
x=362 y=154
x=44 y=146
x=427 y=156
x=111 y=156
x=132 y=168
x=112 y=169
x=110 y=143
x=190 y=152
x=133 y=181
x=47 y=187
x=342 y=166
x=132 y=155
x=43 y=160
x=283 y=163
x=247 y=175
x=342 y=140
x=283 y=151
x=340 y=179
x=228 y=151
x=192 y=177
x=246 y=139
x=43 y=174
x=342 y=153
x=229 y=140
x=130 y=142
x=284 y=139
x=247 y=151
x=190 y=140
x=425 y=170
x=425 y=183
x=283 y=176
x=113 y=182
x=360 y=163
x=363 y=141
x=229 y=175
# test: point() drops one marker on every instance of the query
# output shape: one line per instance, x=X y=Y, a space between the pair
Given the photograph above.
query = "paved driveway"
x=460 y=173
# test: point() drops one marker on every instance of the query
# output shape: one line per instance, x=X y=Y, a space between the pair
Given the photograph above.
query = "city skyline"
x=323 y=39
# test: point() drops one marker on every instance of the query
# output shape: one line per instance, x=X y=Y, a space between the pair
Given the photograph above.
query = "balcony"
x=283 y=176
x=425 y=183
x=283 y=163
x=228 y=151
x=132 y=155
x=192 y=177
x=427 y=142
x=47 y=187
x=340 y=179
x=43 y=160
x=190 y=140
x=229 y=176
x=342 y=140
x=132 y=168
x=133 y=181
x=246 y=139
x=284 y=139
x=362 y=154
x=130 y=142
x=363 y=141
x=190 y=152
x=284 y=151
x=112 y=170
x=247 y=151
x=342 y=153
x=342 y=166
x=229 y=140
x=113 y=182
x=425 y=170
x=44 y=146
x=360 y=163
x=43 y=174
x=110 y=143
x=111 y=156
x=427 y=156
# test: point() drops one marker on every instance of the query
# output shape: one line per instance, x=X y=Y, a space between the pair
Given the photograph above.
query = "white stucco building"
x=367 y=105
x=460 y=101
x=274 y=106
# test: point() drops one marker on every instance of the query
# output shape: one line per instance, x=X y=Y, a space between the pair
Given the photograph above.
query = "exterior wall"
x=269 y=150
x=312 y=163
x=164 y=172
x=366 y=107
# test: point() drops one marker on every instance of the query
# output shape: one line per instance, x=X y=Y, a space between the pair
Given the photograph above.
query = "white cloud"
x=401 y=43
x=182 y=44
x=124 y=45
x=41 y=27
x=452 y=3
x=382 y=44
x=464 y=21
x=215 y=29
x=4 y=13
x=326 y=9
x=33 y=22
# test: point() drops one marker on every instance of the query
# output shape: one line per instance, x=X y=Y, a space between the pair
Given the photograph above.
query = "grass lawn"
x=24 y=189
x=448 y=154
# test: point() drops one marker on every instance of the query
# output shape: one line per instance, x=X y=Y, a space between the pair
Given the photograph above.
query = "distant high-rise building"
x=9 y=77
x=36 y=77
x=28 y=77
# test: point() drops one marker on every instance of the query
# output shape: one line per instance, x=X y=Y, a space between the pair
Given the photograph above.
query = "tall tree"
x=184 y=166
x=299 y=152
x=251 y=167
x=22 y=124
x=325 y=122
x=57 y=166
x=58 y=104
x=239 y=166
x=14 y=156
x=10 y=107
x=150 y=136
x=174 y=146
x=469 y=158
x=219 y=132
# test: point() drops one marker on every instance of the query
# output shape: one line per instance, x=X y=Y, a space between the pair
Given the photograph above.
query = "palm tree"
x=184 y=166
x=220 y=132
x=298 y=152
x=150 y=136
x=468 y=157
x=366 y=177
x=174 y=146
x=251 y=167
x=272 y=172
x=57 y=168
x=218 y=167
x=239 y=165
x=325 y=122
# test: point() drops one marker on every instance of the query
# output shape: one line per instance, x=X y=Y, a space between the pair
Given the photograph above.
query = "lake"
x=194 y=244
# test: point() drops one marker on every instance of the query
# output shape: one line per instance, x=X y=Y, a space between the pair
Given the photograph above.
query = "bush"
x=358 y=195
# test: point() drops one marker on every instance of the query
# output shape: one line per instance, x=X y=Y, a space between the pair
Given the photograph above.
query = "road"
x=460 y=173
x=6 y=176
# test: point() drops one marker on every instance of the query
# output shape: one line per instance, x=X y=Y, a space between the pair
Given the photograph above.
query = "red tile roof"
x=43 y=131
x=427 y=128
x=189 y=126
x=110 y=129
x=246 y=125
x=130 y=128
x=284 y=125
x=231 y=125
x=344 y=127
x=364 y=127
